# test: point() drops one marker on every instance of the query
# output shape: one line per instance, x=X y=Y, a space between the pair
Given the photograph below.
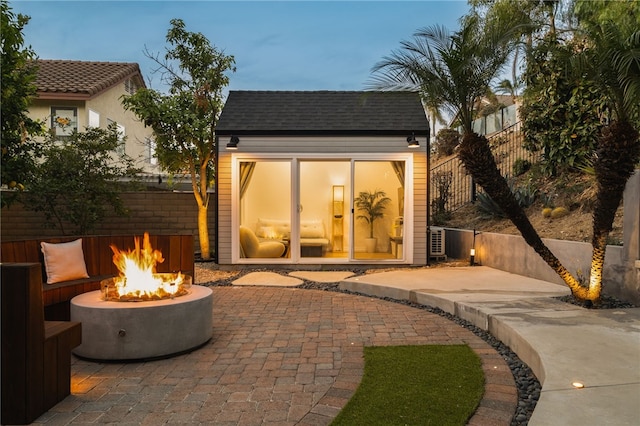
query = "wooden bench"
x=177 y=251
x=36 y=354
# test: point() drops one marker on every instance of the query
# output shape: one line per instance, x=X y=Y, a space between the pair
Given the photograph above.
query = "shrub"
x=488 y=207
x=442 y=181
x=521 y=166
x=446 y=142
x=80 y=180
x=525 y=195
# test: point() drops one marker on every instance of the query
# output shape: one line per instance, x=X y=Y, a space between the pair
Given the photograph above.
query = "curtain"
x=246 y=171
x=398 y=167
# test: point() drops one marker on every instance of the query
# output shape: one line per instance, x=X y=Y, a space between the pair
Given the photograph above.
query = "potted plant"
x=372 y=204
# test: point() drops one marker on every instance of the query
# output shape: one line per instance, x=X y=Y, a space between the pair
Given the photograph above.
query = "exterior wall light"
x=233 y=143
x=412 y=141
x=577 y=385
x=472 y=252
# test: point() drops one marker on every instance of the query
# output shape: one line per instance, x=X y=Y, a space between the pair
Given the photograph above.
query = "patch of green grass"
x=416 y=385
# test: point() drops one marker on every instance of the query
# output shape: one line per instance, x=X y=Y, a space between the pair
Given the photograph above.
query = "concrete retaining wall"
x=621 y=276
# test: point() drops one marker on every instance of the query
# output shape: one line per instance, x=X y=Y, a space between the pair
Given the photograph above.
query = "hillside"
x=572 y=192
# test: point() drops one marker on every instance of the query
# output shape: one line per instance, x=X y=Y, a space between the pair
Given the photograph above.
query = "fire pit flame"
x=138 y=280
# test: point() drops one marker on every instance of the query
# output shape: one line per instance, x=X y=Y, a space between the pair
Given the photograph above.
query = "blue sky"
x=277 y=45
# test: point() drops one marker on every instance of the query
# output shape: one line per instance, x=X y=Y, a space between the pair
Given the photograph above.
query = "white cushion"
x=282 y=227
x=267 y=232
x=64 y=261
x=312 y=229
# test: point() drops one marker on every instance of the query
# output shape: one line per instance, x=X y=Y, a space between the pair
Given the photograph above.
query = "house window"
x=120 y=150
x=64 y=121
x=151 y=151
x=130 y=86
x=94 y=118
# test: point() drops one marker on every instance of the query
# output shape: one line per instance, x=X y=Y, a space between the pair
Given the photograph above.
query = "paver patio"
x=279 y=356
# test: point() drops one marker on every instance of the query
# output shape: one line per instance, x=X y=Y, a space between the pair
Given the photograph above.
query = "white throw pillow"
x=267 y=232
x=64 y=261
x=312 y=229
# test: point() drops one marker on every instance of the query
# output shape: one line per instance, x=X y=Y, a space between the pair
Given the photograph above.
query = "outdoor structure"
x=323 y=177
x=74 y=95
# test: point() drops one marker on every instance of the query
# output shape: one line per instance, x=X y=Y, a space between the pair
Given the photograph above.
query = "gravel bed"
x=526 y=382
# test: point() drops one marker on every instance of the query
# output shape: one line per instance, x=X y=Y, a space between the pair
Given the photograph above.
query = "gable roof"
x=322 y=113
x=81 y=80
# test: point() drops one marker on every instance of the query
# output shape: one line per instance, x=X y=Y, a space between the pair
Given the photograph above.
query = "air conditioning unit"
x=437 y=246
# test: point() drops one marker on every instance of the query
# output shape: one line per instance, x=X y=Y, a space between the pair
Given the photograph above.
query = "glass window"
x=120 y=150
x=324 y=187
x=265 y=208
x=64 y=121
x=378 y=209
x=94 y=119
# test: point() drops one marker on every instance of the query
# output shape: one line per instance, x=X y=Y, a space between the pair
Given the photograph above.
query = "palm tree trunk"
x=617 y=155
x=477 y=158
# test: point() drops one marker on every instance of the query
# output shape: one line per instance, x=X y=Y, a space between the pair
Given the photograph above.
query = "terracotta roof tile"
x=82 y=78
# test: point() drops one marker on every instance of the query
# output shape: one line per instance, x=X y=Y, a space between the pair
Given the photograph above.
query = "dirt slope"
x=576 y=226
x=574 y=191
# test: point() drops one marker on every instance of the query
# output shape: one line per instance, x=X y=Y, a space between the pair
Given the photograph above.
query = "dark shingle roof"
x=81 y=79
x=322 y=112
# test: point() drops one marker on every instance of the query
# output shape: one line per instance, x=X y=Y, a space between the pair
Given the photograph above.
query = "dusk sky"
x=277 y=45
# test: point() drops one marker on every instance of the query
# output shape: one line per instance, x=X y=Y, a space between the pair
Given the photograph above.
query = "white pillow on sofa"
x=267 y=232
x=311 y=229
x=282 y=227
x=64 y=261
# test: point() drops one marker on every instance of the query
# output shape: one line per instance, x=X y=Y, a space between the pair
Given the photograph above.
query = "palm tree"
x=611 y=62
x=457 y=69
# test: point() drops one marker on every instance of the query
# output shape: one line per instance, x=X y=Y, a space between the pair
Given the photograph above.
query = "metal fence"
x=452 y=187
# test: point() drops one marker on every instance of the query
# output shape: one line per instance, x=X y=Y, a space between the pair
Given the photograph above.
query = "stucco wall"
x=108 y=105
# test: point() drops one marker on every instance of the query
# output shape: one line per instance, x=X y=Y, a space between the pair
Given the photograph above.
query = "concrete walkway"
x=560 y=342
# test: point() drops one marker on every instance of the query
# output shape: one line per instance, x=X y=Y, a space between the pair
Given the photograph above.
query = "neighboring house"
x=291 y=163
x=494 y=115
x=74 y=95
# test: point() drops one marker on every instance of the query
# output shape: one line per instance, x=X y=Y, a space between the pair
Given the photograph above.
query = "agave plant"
x=373 y=205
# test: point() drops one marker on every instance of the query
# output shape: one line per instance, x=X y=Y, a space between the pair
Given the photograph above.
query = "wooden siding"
x=322 y=147
x=224 y=209
x=419 y=208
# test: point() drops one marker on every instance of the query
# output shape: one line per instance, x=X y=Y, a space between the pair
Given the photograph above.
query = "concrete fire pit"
x=119 y=331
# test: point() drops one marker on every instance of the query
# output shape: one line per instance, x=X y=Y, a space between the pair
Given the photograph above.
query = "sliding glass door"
x=304 y=210
x=378 y=209
x=265 y=209
x=324 y=201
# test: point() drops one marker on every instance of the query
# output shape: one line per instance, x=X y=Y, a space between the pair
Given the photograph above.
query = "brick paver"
x=278 y=356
